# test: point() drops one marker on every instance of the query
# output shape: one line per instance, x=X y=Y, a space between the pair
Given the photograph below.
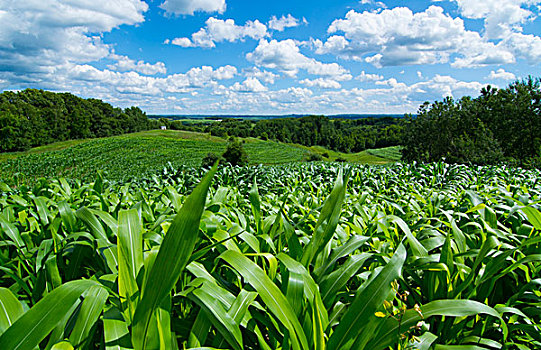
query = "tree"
x=500 y=124
x=209 y=160
x=235 y=154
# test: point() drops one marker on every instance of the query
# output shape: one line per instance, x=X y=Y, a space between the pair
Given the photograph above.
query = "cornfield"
x=301 y=256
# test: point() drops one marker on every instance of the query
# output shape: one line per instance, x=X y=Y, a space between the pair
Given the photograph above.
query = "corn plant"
x=299 y=256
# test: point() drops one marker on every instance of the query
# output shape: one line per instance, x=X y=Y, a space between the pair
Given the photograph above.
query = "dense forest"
x=33 y=118
x=499 y=125
x=345 y=135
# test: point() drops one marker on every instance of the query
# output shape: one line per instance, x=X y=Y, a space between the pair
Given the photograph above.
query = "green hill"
x=144 y=153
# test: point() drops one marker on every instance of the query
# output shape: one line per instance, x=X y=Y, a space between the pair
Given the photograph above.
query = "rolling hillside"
x=144 y=153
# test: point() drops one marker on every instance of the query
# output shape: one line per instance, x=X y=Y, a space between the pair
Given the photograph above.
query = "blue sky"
x=278 y=57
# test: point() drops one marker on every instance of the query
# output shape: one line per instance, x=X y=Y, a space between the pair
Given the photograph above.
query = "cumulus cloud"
x=283 y=22
x=398 y=36
x=86 y=79
x=217 y=30
x=249 y=85
x=501 y=74
x=373 y=3
x=262 y=75
x=189 y=7
x=286 y=57
x=501 y=17
x=321 y=83
x=368 y=77
x=36 y=37
x=124 y=63
x=391 y=97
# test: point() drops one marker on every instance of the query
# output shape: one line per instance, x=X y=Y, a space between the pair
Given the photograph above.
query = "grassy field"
x=391 y=153
x=144 y=153
x=315 y=256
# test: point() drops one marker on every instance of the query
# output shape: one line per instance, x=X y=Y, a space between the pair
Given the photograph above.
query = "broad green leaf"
x=424 y=342
x=174 y=253
x=67 y=216
x=32 y=327
x=115 y=331
x=256 y=206
x=12 y=232
x=387 y=335
x=534 y=216
x=416 y=246
x=328 y=220
x=220 y=318
x=88 y=315
x=367 y=302
x=10 y=309
x=130 y=256
x=270 y=294
x=332 y=283
x=63 y=345
x=92 y=222
x=458 y=347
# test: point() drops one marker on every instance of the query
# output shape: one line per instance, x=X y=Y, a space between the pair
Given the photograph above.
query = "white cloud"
x=286 y=57
x=501 y=17
x=249 y=85
x=373 y=3
x=36 y=37
x=184 y=42
x=124 y=63
x=321 y=83
x=501 y=74
x=369 y=77
x=126 y=87
x=189 y=7
x=262 y=75
x=283 y=22
x=524 y=46
x=217 y=30
x=400 y=37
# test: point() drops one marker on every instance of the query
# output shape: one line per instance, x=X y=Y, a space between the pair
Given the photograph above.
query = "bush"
x=314 y=157
x=209 y=160
x=325 y=154
x=340 y=160
x=235 y=154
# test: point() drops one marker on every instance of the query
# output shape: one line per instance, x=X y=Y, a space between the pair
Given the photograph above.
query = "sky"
x=268 y=57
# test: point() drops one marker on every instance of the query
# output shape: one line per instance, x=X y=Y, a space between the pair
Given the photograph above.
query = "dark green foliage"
x=33 y=118
x=235 y=154
x=501 y=124
x=314 y=157
x=343 y=135
x=209 y=160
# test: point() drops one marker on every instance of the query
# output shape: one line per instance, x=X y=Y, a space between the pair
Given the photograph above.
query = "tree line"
x=344 y=135
x=32 y=118
x=501 y=125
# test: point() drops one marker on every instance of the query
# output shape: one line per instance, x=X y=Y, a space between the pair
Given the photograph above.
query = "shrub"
x=314 y=157
x=209 y=160
x=235 y=154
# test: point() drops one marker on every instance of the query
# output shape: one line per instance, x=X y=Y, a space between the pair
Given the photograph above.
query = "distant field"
x=380 y=156
x=144 y=153
x=392 y=153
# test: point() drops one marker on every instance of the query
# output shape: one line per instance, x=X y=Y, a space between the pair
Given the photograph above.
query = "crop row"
x=300 y=256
